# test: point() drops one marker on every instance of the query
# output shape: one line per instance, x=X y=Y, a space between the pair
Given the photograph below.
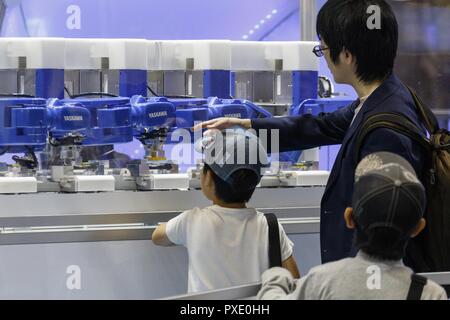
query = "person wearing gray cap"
x=387 y=210
x=228 y=242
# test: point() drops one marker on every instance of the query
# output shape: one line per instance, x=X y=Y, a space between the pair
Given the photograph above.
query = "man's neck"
x=364 y=90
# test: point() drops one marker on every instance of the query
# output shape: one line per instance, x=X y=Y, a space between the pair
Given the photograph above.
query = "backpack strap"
x=274 y=241
x=402 y=124
x=393 y=121
x=416 y=287
x=426 y=115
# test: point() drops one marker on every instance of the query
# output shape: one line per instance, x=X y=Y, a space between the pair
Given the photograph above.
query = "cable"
x=171 y=96
x=151 y=91
x=181 y=97
x=86 y=94
x=68 y=93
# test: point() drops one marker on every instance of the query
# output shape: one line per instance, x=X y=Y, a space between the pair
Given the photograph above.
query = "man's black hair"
x=241 y=189
x=381 y=243
x=342 y=24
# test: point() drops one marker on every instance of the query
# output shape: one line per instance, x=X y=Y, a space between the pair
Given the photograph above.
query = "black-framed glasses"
x=318 y=50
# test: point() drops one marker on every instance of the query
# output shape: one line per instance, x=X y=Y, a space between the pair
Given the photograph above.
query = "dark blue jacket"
x=334 y=128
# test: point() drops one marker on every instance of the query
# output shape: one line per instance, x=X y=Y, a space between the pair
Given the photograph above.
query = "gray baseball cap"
x=387 y=194
x=232 y=149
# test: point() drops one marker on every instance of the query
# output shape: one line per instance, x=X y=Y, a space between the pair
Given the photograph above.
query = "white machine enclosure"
x=18 y=185
x=20 y=58
x=87 y=54
x=93 y=65
x=175 y=67
x=204 y=54
x=40 y=53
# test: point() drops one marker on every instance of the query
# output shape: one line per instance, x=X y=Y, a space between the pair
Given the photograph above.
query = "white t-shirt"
x=226 y=247
x=358 y=108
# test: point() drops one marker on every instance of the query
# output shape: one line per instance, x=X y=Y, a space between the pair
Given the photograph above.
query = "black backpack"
x=430 y=250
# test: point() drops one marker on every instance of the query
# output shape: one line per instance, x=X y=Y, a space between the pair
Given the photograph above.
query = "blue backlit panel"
x=154 y=19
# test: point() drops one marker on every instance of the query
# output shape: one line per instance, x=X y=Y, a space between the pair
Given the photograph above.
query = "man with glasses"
x=361 y=56
x=318 y=50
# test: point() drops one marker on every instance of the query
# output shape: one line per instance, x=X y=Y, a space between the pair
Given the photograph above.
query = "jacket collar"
x=384 y=91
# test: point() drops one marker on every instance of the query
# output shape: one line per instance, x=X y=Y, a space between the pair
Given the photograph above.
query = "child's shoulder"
x=193 y=211
x=197 y=211
x=334 y=266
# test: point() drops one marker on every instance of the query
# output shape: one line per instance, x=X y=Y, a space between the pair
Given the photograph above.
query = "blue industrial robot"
x=22 y=130
x=84 y=129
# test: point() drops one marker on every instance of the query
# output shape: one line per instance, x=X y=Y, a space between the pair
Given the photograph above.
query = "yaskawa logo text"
x=233 y=115
x=157 y=114
x=73 y=118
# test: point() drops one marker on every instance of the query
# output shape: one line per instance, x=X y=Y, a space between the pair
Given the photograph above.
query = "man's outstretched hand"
x=223 y=123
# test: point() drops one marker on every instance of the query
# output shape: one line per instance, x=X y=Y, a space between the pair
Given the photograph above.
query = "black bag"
x=430 y=250
x=274 y=241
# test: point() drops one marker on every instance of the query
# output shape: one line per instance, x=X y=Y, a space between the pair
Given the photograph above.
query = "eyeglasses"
x=318 y=51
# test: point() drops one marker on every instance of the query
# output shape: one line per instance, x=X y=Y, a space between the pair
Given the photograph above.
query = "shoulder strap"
x=426 y=115
x=274 y=241
x=393 y=121
x=416 y=287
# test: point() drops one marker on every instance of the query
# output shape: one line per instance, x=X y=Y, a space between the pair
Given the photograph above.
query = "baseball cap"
x=387 y=194
x=232 y=149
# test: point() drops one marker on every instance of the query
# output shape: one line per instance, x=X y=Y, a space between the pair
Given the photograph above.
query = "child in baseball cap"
x=227 y=242
x=387 y=210
x=235 y=159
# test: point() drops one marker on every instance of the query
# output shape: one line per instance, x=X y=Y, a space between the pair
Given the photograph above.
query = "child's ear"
x=209 y=178
x=348 y=216
x=420 y=226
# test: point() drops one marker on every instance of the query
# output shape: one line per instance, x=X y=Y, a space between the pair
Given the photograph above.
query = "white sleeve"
x=285 y=243
x=176 y=228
